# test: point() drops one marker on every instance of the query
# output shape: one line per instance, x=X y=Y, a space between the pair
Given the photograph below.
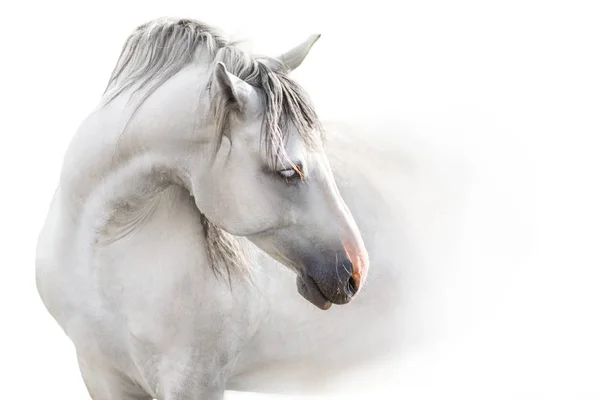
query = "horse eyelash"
x=299 y=169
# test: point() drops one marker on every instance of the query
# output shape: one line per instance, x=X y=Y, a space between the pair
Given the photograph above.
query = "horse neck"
x=124 y=143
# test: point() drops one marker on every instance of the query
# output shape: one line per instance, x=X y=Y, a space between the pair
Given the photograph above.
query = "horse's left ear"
x=230 y=86
x=293 y=58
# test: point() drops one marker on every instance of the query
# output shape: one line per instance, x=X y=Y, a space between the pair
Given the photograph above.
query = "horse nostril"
x=352 y=287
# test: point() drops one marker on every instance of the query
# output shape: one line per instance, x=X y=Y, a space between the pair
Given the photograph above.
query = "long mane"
x=159 y=49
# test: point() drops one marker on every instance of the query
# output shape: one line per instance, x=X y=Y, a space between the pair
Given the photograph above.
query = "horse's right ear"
x=232 y=88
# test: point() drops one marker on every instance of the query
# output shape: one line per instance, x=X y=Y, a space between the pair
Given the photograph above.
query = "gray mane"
x=159 y=49
x=284 y=101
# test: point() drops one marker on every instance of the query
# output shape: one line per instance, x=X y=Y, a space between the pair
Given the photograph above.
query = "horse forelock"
x=284 y=102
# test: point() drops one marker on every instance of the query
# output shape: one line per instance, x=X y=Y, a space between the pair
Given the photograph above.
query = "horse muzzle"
x=335 y=282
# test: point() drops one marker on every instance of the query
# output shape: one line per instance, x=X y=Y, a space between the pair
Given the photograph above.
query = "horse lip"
x=308 y=288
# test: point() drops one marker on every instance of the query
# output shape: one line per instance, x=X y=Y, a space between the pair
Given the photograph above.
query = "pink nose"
x=360 y=262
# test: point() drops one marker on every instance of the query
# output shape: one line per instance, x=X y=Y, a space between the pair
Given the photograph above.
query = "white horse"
x=201 y=172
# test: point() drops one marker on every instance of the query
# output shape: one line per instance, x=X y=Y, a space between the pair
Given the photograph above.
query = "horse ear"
x=293 y=58
x=230 y=86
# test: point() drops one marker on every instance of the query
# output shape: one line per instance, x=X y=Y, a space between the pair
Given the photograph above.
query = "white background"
x=509 y=88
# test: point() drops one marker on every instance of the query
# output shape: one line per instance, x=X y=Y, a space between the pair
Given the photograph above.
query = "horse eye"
x=291 y=174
